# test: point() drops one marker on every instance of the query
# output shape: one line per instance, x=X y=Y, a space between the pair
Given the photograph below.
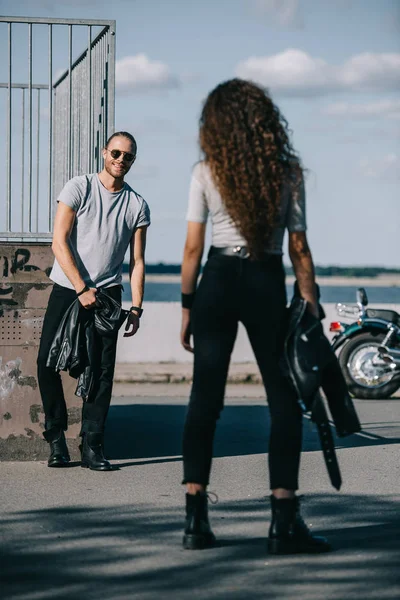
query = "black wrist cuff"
x=85 y=289
x=187 y=300
x=137 y=309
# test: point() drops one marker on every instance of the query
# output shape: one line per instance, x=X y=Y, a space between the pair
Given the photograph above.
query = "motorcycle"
x=368 y=348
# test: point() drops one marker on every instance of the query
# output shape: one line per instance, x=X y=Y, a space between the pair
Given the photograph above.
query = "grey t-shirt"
x=205 y=200
x=104 y=224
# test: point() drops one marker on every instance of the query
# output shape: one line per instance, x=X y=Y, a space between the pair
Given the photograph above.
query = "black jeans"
x=94 y=412
x=233 y=289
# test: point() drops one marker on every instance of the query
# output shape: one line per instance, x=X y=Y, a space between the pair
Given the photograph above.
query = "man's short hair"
x=124 y=134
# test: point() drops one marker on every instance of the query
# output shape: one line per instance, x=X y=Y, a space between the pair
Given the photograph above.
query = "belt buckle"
x=238 y=250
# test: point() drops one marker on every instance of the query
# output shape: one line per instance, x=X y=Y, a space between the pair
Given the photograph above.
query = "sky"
x=332 y=67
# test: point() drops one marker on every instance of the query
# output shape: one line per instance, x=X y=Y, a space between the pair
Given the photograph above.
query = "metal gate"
x=57 y=120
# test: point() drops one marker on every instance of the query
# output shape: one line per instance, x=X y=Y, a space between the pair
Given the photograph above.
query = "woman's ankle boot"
x=92 y=452
x=288 y=534
x=197 y=534
x=59 y=455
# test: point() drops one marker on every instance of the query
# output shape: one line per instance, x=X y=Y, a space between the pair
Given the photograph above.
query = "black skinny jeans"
x=233 y=289
x=95 y=410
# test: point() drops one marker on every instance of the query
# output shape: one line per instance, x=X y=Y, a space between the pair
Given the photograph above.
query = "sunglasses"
x=127 y=156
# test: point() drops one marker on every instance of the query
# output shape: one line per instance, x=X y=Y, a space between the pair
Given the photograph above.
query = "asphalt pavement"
x=77 y=534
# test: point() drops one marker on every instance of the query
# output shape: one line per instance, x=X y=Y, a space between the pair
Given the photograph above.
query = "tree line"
x=329 y=271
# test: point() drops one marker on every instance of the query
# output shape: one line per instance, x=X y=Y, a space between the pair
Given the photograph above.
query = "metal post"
x=90 y=129
x=111 y=80
x=50 y=180
x=95 y=107
x=106 y=56
x=8 y=151
x=23 y=160
x=37 y=158
x=30 y=130
x=70 y=101
x=105 y=99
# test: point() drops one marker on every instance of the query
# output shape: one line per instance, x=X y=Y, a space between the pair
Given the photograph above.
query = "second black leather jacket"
x=72 y=347
x=312 y=365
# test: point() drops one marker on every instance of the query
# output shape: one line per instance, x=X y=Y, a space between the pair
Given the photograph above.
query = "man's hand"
x=88 y=299
x=132 y=324
x=185 y=330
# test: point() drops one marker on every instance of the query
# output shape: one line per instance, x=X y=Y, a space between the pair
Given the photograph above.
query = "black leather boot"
x=59 y=455
x=197 y=534
x=288 y=534
x=92 y=452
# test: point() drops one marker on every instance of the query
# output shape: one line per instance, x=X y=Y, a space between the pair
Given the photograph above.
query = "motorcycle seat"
x=387 y=315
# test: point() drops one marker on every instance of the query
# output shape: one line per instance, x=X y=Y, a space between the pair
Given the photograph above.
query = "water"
x=171 y=292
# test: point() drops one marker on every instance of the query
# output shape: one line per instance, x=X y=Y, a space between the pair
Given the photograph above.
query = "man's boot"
x=92 y=452
x=59 y=455
x=197 y=534
x=288 y=534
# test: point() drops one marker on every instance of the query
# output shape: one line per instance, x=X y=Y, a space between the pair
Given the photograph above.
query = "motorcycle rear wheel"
x=367 y=377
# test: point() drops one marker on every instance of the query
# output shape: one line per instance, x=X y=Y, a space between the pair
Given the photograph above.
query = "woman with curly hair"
x=250 y=182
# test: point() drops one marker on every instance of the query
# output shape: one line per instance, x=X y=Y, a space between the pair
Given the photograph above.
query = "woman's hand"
x=313 y=309
x=185 y=330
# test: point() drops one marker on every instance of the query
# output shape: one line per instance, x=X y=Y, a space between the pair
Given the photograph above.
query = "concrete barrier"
x=24 y=292
x=157 y=340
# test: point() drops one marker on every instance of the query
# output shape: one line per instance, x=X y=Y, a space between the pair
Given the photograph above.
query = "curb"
x=179 y=373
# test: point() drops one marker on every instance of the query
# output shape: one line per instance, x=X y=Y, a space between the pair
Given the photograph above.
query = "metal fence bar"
x=25 y=86
x=57 y=21
x=30 y=128
x=89 y=116
x=37 y=158
x=105 y=52
x=106 y=49
x=70 y=101
x=9 y=115
x=50 y=155
x=23 y=159
x=111 y=79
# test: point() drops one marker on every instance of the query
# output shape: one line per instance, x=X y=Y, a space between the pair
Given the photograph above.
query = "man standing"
x=97 y=218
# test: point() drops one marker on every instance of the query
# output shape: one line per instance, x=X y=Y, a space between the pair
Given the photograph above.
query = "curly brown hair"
x=245 y=141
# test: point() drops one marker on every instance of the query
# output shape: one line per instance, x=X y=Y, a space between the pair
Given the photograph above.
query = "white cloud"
x=296 y=73
x=284 y=12
x=387 y=168
x=382 y=108
x=139 y=73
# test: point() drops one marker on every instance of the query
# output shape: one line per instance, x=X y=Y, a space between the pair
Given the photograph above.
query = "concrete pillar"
x=24 y=292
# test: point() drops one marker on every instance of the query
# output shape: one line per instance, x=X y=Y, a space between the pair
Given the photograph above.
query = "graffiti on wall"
x=10 y=266
x=11 y=375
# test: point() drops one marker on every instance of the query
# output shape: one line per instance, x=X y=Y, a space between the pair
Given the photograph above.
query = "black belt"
x=320 y=418
x=239 y=252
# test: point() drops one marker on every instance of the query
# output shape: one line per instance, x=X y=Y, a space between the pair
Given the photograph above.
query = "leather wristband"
x=187 y=300
x=85 y=289
x=138 y=310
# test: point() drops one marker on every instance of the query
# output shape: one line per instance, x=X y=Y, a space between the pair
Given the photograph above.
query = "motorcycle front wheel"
x=367 y=376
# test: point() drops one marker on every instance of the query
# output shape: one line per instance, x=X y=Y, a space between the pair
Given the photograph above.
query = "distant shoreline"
x=379 y=281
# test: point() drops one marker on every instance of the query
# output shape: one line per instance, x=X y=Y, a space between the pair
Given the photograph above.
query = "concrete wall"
x=24 y=292
x=158 y=337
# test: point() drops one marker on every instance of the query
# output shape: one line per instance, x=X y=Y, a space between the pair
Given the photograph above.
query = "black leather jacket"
x=73 y=343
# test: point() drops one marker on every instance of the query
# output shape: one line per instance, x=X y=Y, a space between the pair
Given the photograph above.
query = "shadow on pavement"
x=149 y=431
x=123 y=552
